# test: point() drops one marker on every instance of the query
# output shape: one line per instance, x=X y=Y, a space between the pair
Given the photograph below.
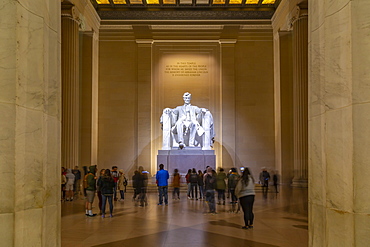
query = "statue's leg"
x=180 y=132
x=207 y=122
x=193 y=131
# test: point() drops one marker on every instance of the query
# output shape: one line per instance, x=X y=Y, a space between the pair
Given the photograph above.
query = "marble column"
x=89 y=97
x=70 y=86
x=30 y=123
x=339 y=123
x=300 y=100
x=144 y=144
x=228 y=123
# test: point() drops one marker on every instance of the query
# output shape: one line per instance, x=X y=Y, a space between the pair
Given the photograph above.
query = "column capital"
x=300 y=12
x=68 y=10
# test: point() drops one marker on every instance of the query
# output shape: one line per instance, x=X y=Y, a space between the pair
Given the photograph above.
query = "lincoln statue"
x=187 y=126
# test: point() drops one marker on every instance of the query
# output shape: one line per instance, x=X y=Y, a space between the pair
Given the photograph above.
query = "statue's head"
x=187 y=97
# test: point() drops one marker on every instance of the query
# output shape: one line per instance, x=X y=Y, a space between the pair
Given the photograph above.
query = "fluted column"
x=300 y=98
x=70 y=86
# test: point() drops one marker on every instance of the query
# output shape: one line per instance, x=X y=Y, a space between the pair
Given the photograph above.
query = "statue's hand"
x=204 y=110
x=167 y=110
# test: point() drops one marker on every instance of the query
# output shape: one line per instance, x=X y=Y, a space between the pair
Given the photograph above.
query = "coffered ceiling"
x=185 y=9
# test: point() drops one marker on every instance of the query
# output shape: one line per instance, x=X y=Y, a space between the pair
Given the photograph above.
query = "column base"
x=300 y=183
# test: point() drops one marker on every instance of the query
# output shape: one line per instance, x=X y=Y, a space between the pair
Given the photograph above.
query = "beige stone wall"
x=338 y=123
x=30 y=124
x=117 y=104
x=254 y=93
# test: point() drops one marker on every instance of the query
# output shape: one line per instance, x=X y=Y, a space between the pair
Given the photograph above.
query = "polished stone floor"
x=280 y=220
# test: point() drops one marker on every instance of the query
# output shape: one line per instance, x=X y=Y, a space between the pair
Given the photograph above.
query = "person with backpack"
x=121 y=184
x=90 y=186
x=69 y=185
x=176 y=185
x=193 y=179
x=221 y=186
x=209 y=187
x=233 y=178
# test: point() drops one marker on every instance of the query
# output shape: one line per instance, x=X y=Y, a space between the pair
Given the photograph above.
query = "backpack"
x=193 y=178
x=85 y=181
x=233 y=180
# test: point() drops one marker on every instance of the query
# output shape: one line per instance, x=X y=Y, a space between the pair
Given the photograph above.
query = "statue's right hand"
x=167 y=110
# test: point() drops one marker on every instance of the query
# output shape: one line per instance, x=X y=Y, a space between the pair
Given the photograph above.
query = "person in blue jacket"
x=162 y=177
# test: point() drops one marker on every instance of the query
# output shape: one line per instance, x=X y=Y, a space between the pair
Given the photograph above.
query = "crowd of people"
x=110 y=184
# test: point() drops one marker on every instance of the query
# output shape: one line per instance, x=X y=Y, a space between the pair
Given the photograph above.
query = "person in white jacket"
x=245 y=192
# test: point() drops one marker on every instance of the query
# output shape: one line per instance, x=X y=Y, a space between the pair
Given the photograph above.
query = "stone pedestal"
x=184 y=159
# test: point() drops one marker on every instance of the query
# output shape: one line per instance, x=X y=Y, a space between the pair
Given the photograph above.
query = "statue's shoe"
x=181 y=145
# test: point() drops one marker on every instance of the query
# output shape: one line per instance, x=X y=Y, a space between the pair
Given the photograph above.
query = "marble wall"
x=254 y=106
x=339 y=44
x=117 y=104
x=30 y=105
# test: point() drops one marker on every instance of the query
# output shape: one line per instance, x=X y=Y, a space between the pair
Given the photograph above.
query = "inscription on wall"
x=186 y=69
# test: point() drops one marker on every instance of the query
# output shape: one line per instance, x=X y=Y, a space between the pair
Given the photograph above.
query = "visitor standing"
x=176 y=185
x=194 y=184
x=115 y=176
x=90 y=185
x=143 y=183
x=264 y=180
x=245 y=192
x=200 y=184
x=221 y=186
x=209 y=187
x=106 y=184
x=187 y=178
x=121 y=185
x=136 y=184
x=101 y=174
x=76 y=186
x=69 y=185
x=162 y=177
x=233 y=178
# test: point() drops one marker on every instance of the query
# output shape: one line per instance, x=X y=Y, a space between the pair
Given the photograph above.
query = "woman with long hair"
x=106 y=185
x=101 y=174
x=176 y=185
x=245 y=192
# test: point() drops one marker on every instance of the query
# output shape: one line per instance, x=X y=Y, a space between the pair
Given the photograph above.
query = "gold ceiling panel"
x=252 y=1
x=268 y=1
x=187 y=2
x=235 y=1
x=218 y=1
x=103 y=1
x=152 y=1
